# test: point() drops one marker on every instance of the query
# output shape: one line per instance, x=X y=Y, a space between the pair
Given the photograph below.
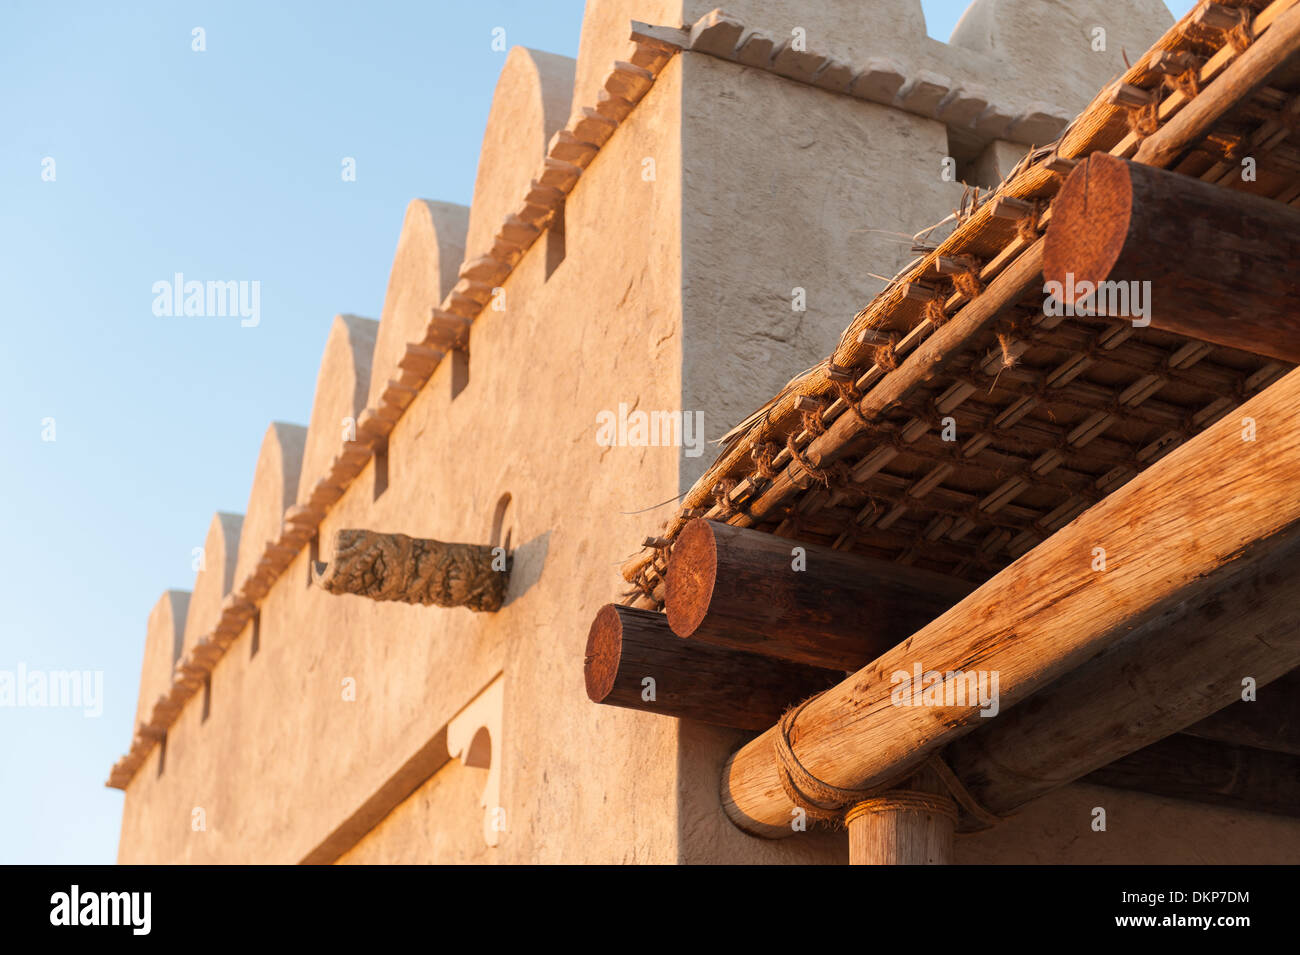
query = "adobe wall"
x=788 y=187
x=282 y=758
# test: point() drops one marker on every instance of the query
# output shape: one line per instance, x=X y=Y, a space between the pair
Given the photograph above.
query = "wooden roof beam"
x=635 y=661
x=749 y=590
x=1214 y=524
x=1169 y=672
x=1182 y=255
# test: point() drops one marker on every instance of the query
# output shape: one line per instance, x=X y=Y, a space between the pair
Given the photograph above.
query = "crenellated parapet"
x=275 y=487
x=530 y=104
x=214 y=577
x=162 y=647
x=342 y=387
x=429 y=252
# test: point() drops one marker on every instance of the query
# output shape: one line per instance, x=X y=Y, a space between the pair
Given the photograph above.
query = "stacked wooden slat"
x=1050 y=416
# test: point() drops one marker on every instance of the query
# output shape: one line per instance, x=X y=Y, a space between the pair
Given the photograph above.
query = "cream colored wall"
x=275 y=484
x=529 y=105
x=430 y=827
x=605 y=39
x=342 y=386
x=430 y=249
x=283 y=759
x=785 y=187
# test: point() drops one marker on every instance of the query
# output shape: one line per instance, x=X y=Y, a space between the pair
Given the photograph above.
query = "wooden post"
x=749 y=590
x=1206 y=519
x=1186 y=256
x=628 y=647
x=911 y=825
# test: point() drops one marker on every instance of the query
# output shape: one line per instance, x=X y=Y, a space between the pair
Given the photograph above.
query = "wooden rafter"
x=1195 y=525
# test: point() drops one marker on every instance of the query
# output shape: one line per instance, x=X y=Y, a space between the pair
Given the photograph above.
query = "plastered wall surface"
x=427 y=829
x=283 y=758
x=775 y=258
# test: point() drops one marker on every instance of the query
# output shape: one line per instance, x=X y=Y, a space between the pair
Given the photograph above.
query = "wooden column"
x=1213 y=525
x=1208 y=262
x=748 y=590
x=625 y=647
x=911 y=825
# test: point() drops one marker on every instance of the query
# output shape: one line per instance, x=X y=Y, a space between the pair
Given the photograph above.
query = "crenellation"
x=879 y=81
x=485 y=268
x=755 y=49
x=429 y=251
x=962 y=107
x=163 y=645
x=274 y=490
x=923 y=93
x=588 y=126
x=530 y=104
x=717 y=34
x=342 y=389
x=214 y=576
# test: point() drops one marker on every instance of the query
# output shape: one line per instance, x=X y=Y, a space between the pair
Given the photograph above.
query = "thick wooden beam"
x=1170 y=672
x=1270 y=722
x=749 y=590
x=1184 y=767
x=1186 y=256
x=1198 y=521
x=415 y=570
x=633 y=660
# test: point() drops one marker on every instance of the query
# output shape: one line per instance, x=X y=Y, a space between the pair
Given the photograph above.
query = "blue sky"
x=220 y=164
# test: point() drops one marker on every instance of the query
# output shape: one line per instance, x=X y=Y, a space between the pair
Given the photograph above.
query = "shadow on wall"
x=526 y=563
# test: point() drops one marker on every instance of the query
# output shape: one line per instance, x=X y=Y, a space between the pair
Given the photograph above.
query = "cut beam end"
x=690 y=577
